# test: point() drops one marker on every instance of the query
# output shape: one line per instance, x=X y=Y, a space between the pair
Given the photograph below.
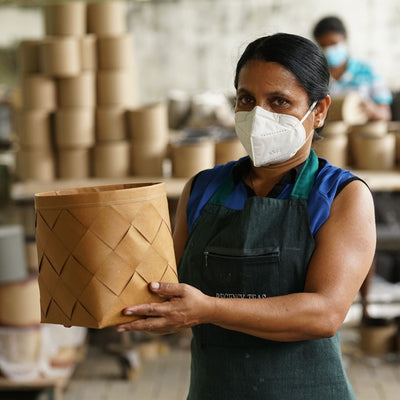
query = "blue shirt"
x=328 y=183
x=361 y=77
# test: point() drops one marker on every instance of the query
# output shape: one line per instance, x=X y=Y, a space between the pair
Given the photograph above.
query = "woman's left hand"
x=186 y=306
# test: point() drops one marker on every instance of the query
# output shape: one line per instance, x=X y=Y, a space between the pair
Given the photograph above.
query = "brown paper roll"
x=77 y=91
x=110 y=124
x=29 y=56
x=371 y=129
x=75 y=128
x=374 y=153
x=378 y=340
x=19 y=303
x=397 y=135
x=13 y=265
x=111 y=159
x=334 y=128
x=31 y=256
x=147 y=158
x=60 y=56
x=106 y=18
x=80 y=251
x=38 y=92
x=35 y=165
x=228 y=150
x=73 y=163
x=88 y=53
x=334 y=149
x=117 y=88
x=65 y=19
x=347 y=108
x=148 y=123
x=190 y=158
x=33 y=129
x=115 y=52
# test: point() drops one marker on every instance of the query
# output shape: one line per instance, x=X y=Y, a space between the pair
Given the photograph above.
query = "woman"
x=349 y=74
x=272 y=249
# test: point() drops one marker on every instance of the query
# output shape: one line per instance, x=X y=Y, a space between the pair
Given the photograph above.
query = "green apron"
x=258 y=252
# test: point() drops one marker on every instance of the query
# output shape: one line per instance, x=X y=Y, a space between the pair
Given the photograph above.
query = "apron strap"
x=301 y=189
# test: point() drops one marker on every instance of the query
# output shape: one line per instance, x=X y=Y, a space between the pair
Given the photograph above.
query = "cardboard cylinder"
x=115 y=52
x=347 y=108
x=334 y=149
x=110 y=124
x=73 y=163
x=397 y=136
x=106 y=18
x=36 y=165
x=20 y=350
x=77 y=91
x=90 y=269
x=75 y=128
x=38 y=92
x=19 y=303
x=29 y=56
x=148 y=123
x=13 y=264
x=111 y=159
x=60 y=56
x=374 y=153
x=228 y=150
x=147 y=158
x=117 y=88
x=33 y=129
x=378 y=339
x=65 y=19
x=372 y=129
x=88 y=53
x=31 y=256
x=334 y=128
x=189 y=158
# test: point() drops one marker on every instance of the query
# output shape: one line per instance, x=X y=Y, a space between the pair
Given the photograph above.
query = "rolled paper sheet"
x=334 y=149
x=78 y=91
x=38 y=92
x=74 y=127
x=111 y=159
x=191 y=157
x=372 y=129
x=73 y=163
x=19 y=303
x=110 y=124
x=374 y=153
x=106 y=18
x=115 y=52
x=98 y=248
x=347 y=108
x=228 y=150
x=148 y=123
x=88 y=53
x=334 y=128
x=35 y=165
x=33 y=129
x=13 y=264
x=61 y=56
x=29 y=56
x=65 y=19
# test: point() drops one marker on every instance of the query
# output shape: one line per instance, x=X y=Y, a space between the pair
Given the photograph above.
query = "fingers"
x=166 y=289
x=145 y=310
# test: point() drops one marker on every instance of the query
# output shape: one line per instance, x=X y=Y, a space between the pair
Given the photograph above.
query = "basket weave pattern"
x=96 y=259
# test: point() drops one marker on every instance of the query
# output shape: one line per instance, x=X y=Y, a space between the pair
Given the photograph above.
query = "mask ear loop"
x=309 y=111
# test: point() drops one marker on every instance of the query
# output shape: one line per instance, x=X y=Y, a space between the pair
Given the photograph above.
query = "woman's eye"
x=279 y=102
x=245 y=100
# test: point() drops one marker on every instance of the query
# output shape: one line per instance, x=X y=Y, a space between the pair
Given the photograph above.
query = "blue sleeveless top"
x=328 y=182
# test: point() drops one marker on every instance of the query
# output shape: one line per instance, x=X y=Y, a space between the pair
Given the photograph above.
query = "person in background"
x=271 y=248
x=349 y=74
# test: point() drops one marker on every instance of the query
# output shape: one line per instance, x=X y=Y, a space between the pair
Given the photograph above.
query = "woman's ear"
x=321 y=111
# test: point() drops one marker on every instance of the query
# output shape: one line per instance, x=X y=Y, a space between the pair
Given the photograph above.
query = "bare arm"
x=345 y=246
x=377 y=112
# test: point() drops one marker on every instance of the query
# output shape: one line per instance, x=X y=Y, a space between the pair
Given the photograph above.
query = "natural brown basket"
x=98 y=248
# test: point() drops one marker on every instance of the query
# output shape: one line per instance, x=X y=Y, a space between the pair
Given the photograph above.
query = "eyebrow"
x=273 y=93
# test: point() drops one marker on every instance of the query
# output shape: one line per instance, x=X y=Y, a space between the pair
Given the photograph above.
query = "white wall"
x=194 y=44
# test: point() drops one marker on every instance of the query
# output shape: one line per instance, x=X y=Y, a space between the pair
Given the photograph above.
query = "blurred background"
x=104 y=92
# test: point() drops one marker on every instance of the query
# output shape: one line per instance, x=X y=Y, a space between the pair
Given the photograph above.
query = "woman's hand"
x=186 y=306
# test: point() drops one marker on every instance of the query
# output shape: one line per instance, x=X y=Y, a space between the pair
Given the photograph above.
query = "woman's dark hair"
x=300 y=56
x=329 y=24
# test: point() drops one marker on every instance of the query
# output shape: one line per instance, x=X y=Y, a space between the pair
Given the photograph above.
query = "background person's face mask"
x=268 y=137
x=336 y=55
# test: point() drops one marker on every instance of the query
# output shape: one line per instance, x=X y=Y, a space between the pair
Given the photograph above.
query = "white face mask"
x=268 y=137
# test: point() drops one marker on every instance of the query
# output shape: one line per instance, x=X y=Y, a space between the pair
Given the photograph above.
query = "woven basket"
x=98 y=248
